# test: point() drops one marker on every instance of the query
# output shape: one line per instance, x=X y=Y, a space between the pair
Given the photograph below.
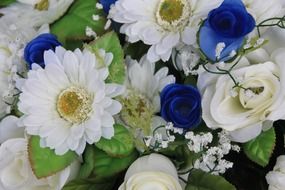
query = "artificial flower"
x=26 y=15
x=142 y=98
x=16 y=172
x=245 y=110
x=34 y=51
x=68 y=104
x=162 y=24
x=276 y=178
x=181 y=105
x=227 y=25
x=154 y=171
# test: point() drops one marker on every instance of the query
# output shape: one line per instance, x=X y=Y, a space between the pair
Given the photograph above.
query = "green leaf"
x=70 y=29
x=120 y=145
x=108 y=166
x=80 y=184
x=88 y=166
x=111 y=43
x=100 y=164
x=4 y=3
x=260 y=149
x=44 y=161
x=105 y=166
x=199 y=180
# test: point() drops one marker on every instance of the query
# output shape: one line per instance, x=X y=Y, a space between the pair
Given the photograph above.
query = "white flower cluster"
x=187 y=60
x=212 y=161
x=275 y=178
x=12 y=42
x=162 y=136
x=197 y=143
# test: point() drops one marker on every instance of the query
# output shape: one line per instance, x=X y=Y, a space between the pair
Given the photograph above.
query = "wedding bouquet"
x=142 y=94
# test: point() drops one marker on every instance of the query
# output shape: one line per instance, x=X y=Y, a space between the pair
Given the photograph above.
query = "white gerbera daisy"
x=163 y=24
x=142 y=100
x=26 y=14
x=68 y=103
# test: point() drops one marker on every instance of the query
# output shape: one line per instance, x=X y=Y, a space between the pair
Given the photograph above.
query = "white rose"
x=243 y=112
x=16 y=172
x=276 y=178
x=151 y=172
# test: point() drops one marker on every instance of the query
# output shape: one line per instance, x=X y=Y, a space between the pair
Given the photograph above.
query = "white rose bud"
x=16 y=172
x=151 y=172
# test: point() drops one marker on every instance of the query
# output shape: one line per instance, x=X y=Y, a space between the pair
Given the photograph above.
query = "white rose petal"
x=151 y=172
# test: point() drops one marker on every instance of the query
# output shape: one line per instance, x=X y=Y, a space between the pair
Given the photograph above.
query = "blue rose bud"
x=107 y=4
x=227 y=25
x=181 y=105
x=34 y=51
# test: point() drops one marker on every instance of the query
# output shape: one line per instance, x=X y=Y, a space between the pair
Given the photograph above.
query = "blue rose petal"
x=34 y=51
x=107 y=4
x=228 y=24
x=209 y=39
x=181 y=105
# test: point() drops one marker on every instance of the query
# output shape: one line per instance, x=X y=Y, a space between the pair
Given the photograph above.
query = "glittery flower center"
x=42 y=5
x=173 y=15
x=137 y=112
x=74 y=104
x=171 y=10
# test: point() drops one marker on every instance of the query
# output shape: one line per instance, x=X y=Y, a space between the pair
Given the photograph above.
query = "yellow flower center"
x=74 y=104
x=42 y=5
x=171 y=10
x=173 y=15
x=137 y=112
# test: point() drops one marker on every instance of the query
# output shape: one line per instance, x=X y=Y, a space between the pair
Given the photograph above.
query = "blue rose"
x=181 y=105
x=228 y=24
x=106 y=4
x=34 y=51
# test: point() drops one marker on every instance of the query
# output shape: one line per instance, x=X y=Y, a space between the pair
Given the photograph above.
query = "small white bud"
x=95 y=17
x=99 y=6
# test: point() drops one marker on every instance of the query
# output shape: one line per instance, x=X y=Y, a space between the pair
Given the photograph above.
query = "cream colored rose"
x=16 y=172
x=244 y=112
x=151 y=172
x=276 y=178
